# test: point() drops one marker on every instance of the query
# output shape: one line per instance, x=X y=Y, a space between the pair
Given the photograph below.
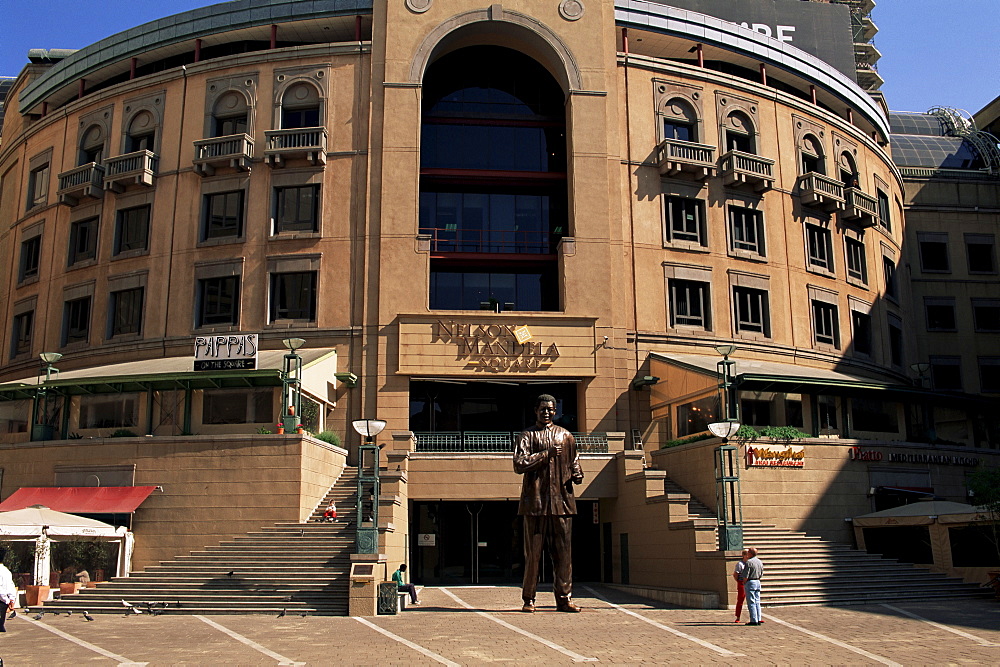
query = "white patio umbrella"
x=37 y=520
x=41 y=523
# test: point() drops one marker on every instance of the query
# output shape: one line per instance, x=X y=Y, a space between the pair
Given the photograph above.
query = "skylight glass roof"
x=910 y=150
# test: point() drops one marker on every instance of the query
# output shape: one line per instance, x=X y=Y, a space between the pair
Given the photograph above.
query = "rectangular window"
x=980 y=252
x=895 y=341
x=126 y=312
x=989 y=375
x=946 y=372
x=875 y=415
x=132 y=229
x=38 y=186
x=891 y=285
x=819 y=248
x=986 y=314
x=31 y=252
x=750 y=311
x=826 y=327
x=238 y=406
x=686 y=220
x=223 y=215
x=218 y=301
x=694 y=417
x=293 y=296
x=689 y=304
x=118 y=411
x=76 y=321
x=940 y=314
x=24 y=323
x=82 y=241
x=933 y=252
x=296 y=209
x=861 y=329
x=857 y=265
x=883 y=210
x=677 y=130
x=746 y=230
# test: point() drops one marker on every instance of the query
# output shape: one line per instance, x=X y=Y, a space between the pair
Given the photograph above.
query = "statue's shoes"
x=529 y=607
x=568 y=607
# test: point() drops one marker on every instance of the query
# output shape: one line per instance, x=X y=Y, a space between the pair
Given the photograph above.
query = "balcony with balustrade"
x=138 y=168
x=821 y=191
x=860 y=208
x=234 y=151
x=302 y=143
x=677 y=158
x=493 y=442
x=740 y=168
x=83 y=182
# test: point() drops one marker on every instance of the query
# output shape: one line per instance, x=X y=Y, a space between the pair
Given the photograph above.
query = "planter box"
x=69 y=588
x=35 y=596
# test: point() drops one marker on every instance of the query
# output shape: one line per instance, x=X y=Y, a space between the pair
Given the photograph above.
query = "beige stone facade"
x=718 y=190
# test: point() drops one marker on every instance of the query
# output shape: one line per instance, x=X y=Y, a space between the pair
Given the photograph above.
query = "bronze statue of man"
x=546 y=455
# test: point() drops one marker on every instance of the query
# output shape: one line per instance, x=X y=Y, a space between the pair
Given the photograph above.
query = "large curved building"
x=457 y=207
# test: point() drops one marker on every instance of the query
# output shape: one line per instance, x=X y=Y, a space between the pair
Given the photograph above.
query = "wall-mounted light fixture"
x=644 y=381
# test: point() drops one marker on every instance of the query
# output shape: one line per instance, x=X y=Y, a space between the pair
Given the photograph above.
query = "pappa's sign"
x=225 y=353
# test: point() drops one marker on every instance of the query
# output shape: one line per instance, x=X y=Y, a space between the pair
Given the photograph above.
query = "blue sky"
x=934 y=52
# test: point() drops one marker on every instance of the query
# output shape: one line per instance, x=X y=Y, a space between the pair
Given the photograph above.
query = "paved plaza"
x=475 y=625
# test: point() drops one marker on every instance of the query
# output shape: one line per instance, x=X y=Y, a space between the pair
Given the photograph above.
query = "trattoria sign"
x=497 y=348
x=223 y=353
x=775 y=456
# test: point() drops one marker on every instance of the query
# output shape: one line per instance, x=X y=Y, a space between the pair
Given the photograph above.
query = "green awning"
x=318 y=368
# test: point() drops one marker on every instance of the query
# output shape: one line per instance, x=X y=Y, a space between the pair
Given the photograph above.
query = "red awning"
x=80 y=499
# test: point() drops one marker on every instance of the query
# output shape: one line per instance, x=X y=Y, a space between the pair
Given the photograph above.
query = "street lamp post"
x=728 y=501
x=291 y=380
x=368 y=485
x=730 y=411
x=41 y=429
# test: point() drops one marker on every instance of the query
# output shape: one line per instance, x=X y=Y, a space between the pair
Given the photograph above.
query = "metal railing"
x=131 y=164
x=220 y=148
x=952 y=174
x=492 y=240
x=496 y=442
x=685 y=152
x=748 y=163
x=86 y=175
x=298 y=139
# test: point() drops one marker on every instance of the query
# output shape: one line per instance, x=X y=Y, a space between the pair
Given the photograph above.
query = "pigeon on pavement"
x=87 y=616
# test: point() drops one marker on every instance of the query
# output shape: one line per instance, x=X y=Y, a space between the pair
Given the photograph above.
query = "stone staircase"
x=302 y=568
x=804 y=569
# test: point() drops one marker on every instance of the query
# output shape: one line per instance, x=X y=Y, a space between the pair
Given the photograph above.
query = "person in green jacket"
x=399 y=576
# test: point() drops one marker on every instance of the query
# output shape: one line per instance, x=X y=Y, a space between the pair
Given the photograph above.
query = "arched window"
x=92 y=145
x=300 y=107
x=811 y=151
x=493 y=188
x=680 y=122
x=739 y=133
x=230 y=115
x=141 y=133
x=848 y=171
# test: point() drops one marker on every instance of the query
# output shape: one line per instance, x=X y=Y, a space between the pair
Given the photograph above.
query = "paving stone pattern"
x=449 y=633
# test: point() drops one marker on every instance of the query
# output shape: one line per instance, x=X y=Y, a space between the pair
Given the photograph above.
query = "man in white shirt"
x=8 y=591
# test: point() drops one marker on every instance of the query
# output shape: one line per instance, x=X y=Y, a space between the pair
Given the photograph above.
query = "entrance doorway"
x=480 y=542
